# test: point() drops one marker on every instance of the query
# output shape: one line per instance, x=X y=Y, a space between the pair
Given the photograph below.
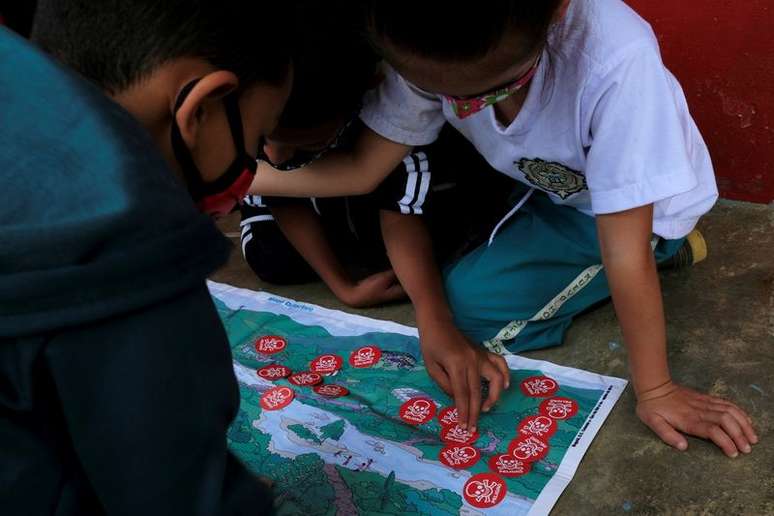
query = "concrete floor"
x=721 y=337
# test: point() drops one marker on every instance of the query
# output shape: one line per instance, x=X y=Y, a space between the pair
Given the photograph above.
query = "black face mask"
x=218 y=197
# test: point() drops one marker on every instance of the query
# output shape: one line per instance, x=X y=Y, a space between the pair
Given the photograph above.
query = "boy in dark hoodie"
x=116 y=382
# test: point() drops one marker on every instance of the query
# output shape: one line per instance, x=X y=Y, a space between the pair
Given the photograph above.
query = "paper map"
x=343 y=448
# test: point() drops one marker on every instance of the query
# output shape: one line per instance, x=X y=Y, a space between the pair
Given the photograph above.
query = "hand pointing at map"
x=457 y=366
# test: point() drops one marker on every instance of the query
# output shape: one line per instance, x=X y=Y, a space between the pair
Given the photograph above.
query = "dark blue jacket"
x=116 y=381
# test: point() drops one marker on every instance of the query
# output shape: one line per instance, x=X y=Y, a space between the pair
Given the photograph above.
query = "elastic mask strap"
x=234 y=116
x=191 y=174
x=242 y=161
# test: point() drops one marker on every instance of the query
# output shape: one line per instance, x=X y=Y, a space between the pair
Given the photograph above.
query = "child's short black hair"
x=116 y=43
x=18 y=16
x=443 y=31
x=334 y=64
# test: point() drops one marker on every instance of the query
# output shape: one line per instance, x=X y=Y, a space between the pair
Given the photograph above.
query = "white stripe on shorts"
x=424 y=169
x=245 y=241
x=254 y=200
x=257 y=218
x=411 y=185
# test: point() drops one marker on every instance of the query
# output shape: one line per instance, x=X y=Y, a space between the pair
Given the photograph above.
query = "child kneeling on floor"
x=116 y=380
x=572 y=101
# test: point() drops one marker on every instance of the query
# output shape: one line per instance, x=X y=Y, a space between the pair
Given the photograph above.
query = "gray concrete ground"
x=721 y=338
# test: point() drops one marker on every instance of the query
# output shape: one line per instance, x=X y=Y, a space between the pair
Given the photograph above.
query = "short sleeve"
x=640 y=134
x=401 y=112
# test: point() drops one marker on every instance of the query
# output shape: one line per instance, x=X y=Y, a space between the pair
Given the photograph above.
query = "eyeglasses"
x=470 y=105
x=302 y=158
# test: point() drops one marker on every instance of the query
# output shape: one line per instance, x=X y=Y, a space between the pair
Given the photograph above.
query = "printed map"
x=353 y=454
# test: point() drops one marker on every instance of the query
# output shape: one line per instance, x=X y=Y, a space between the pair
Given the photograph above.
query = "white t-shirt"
x=604 y=128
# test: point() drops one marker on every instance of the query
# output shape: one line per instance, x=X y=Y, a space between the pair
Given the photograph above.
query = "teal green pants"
x=543 y=268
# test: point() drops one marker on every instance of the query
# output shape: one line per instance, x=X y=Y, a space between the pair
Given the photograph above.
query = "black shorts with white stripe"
x=268 y=253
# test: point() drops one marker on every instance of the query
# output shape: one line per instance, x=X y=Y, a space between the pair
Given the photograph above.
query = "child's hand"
x=382 y=287
x=672 y=409
x=457 y=366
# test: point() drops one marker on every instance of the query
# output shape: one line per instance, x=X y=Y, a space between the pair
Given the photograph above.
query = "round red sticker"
x=305 y=379
x=459 y=457
x=559 y=408
x=449 y=416
x=509 y=466
x=274 y=372
x=277 y=398
x=330 y=390
x=484 y=490
x=455 y=434
x=366 y=356
x=270 y=344
x=542 y=427
x=529 y=449
x=326 y=364
x=417 y=411
x=539 y=386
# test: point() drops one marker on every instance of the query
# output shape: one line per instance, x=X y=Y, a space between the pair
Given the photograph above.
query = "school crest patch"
x=553 y=177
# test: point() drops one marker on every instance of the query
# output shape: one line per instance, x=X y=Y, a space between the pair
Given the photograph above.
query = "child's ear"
x=201 y=100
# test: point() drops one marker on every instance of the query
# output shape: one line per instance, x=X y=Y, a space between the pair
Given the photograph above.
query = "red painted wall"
x=722 y=51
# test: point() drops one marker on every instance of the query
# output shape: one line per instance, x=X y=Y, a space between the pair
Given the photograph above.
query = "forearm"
x=330 y=177
x=410 y=250
x=303 y=229
x=637 y=298
x=337 y=174
x=636 y=292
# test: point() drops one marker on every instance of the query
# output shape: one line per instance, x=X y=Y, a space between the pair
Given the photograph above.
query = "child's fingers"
x=718 y=404
x=459 y=385
x=714 y=400
x=496 y=384
x=474 y=387
x=441 y=378
x=730 y=426
x=667 y=433
x=502 y=366
x=717 y=435
x=741 y=417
